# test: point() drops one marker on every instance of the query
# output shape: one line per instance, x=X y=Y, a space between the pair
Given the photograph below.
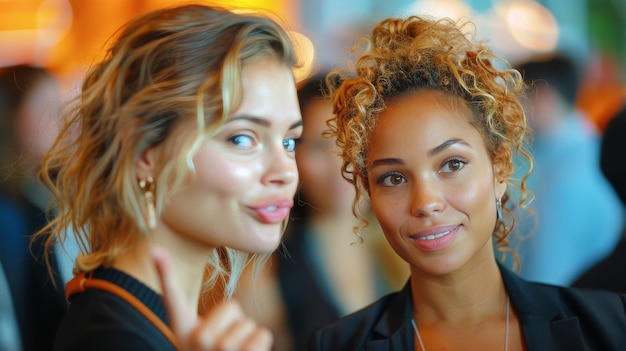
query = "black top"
x=306 y=300
x=552 y=318
x=309 y=300
x=99 y=320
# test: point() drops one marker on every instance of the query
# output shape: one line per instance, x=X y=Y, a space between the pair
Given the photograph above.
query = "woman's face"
x=319 y=165
x=246 y=172
x=432 y=183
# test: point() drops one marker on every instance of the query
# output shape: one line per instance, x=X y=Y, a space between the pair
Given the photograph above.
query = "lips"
x=436 y=238
x=274 y=211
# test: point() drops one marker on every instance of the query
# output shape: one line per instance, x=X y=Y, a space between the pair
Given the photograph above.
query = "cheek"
x=475 y=198
x=385 y=211
x=308 y=169
x=222 y=177
x=316 y=168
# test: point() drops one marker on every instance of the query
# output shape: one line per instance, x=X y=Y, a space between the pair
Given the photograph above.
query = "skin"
x=36 y=124
x=247 y=166
x=330 y=197
x=318 y=164
x=430 y=172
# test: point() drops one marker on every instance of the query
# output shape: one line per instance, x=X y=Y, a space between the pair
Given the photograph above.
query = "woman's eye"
x=242 y=141
x=453 y=165
x=392 y=179
x=290 y=144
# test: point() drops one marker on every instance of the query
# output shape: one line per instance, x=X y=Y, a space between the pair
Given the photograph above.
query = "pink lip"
x=433 y=240
x=274 y=211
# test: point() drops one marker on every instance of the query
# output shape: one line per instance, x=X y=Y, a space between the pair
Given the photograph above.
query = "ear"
x=145 y=164
x=499 y=183
x=501 y=170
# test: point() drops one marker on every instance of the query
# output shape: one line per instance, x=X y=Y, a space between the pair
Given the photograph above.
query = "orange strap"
x=81 y=282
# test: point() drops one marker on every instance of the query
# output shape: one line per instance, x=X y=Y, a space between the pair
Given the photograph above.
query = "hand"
x=225 y=327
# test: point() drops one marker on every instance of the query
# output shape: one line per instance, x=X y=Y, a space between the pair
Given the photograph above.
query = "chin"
x=264 y=241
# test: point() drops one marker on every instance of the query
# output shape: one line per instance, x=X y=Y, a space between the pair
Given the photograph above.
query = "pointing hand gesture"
x=225 y=327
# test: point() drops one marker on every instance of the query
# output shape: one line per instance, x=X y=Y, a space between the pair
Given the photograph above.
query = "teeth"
x=271 y=208
x=434 y=236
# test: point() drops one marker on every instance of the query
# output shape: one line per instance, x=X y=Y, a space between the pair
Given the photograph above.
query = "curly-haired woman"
x=428 y=122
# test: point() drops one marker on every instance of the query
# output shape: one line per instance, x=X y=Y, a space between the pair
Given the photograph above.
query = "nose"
x=426 y=198
x=281 y=167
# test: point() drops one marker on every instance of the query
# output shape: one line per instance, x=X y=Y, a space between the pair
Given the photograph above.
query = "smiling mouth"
x=434 y=236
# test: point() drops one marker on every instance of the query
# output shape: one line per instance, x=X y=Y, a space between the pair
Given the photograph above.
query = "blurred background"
x=66 y=36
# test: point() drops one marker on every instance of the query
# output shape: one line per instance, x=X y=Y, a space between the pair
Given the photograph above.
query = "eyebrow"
x=262 y=121
x=445 y=145
x=434 y=151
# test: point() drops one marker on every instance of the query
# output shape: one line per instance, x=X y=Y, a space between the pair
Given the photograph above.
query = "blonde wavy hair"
x=416 y=53
x=178 y=66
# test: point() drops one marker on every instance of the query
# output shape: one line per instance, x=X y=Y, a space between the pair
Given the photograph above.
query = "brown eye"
x=453 y=165
x=395 y=179
x=392 y=179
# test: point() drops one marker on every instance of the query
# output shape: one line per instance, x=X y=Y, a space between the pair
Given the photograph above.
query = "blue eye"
x=391 y=179
x=242 y=141
x=289 y=144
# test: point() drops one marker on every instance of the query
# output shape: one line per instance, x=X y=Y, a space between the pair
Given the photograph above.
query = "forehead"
x=268 y=90
x=422 y=119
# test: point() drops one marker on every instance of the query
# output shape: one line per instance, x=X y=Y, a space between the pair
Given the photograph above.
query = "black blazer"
x=552 y=318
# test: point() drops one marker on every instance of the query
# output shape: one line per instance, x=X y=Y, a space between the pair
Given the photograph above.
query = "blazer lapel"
x=543 y=325
x=393 y=331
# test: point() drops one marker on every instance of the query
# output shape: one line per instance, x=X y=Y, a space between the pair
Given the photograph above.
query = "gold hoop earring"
x=147 y=187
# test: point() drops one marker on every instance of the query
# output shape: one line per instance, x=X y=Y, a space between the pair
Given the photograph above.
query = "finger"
x=216 y=323
x=261 y=340
x=182 y=318
x=236 y=335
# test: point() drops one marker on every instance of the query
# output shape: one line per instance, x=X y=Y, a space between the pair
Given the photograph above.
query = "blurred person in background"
x=321 y=272
x=578 y=215
x=30 y=99
x=324 y=273
x=608 y=274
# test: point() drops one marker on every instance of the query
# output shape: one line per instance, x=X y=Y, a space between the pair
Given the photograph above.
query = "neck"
x=464 y=297
x=188 y=259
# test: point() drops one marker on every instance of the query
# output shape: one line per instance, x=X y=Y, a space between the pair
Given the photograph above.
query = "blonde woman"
x=179 y=152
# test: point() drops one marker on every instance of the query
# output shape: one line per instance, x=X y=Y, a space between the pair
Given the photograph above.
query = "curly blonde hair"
x=416 y=53
x=173 y=67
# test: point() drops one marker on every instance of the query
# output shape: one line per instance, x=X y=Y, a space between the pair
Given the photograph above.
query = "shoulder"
x=565 y=318
x=97 y=320
x=591 y=302
x=352 y=331
x=539 y=298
